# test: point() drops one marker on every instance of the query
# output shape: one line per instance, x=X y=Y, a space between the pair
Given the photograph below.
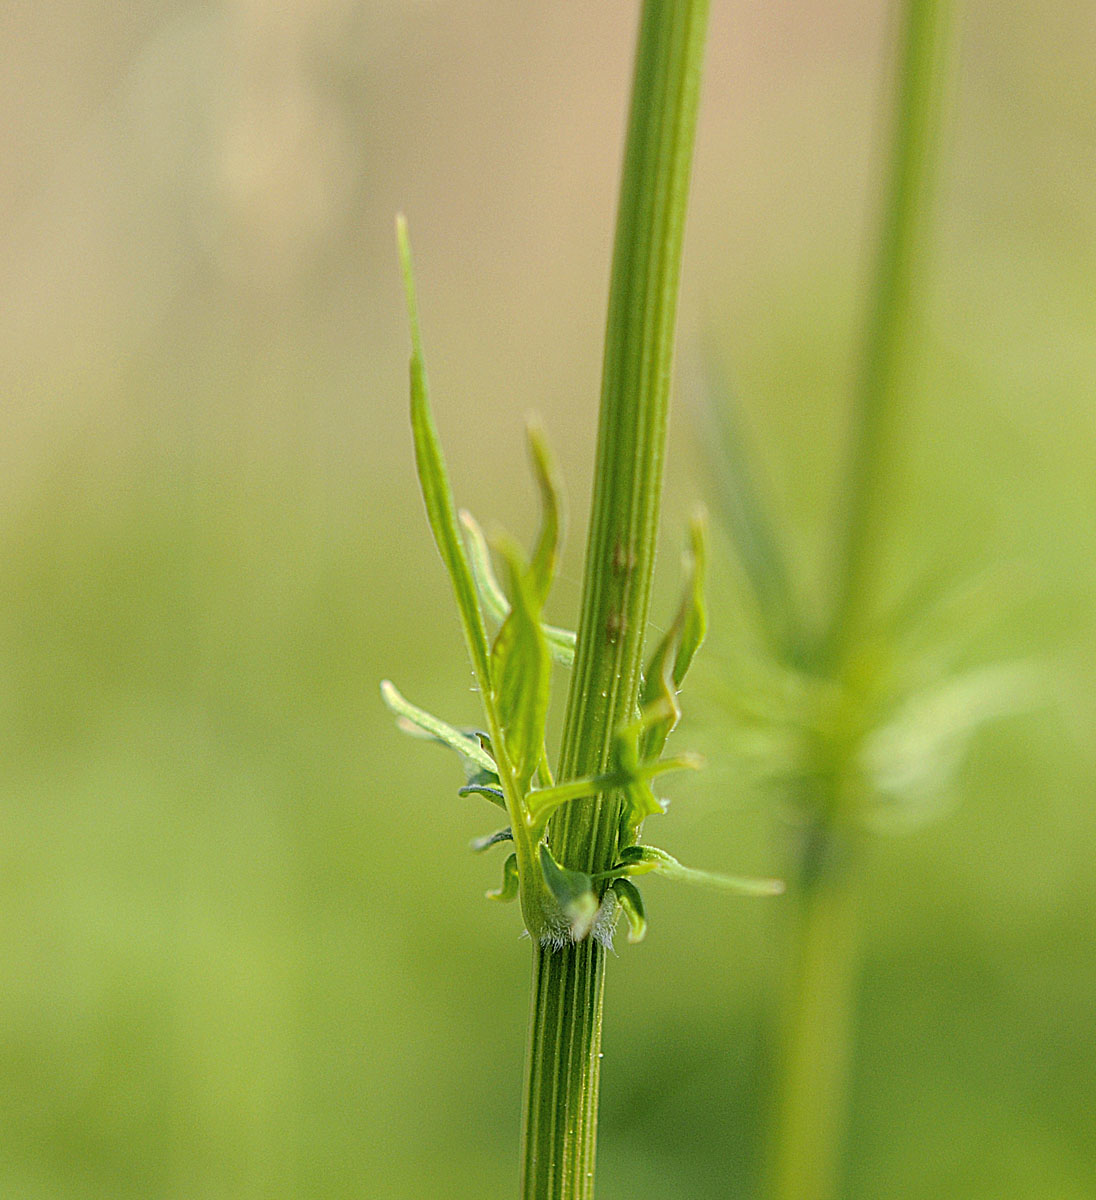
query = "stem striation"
x=564 y=1047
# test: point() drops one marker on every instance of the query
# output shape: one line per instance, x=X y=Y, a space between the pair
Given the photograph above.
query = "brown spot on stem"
x=624 y=560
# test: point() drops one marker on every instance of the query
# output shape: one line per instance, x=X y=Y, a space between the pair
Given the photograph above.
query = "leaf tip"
x=403 y=246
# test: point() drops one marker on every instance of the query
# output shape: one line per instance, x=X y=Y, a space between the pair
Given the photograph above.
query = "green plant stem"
x=890 y=329
x=563 y=1060
x=815 y=1032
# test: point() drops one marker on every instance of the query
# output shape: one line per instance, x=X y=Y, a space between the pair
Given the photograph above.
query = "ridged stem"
x=560 y=1121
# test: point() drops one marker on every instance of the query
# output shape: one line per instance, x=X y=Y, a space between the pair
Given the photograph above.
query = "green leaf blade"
x=672 y=657
x=508 y=890
x=639 y=860
x=631 y=904
x=545 y=561
x=521 y=667
x=561 y=642
x=483 y=574
x=746 y=517
x=434 y=483
x=467 y=747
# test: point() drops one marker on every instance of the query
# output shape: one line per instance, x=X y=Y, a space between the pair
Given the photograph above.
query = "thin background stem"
x=816 y=1030
x=891 y=327
x=563 y=1063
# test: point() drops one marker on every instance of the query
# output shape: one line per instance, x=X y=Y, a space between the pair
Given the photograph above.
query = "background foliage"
x=235 y=959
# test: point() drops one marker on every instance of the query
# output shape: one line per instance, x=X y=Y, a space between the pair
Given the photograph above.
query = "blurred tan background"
x=243 y=950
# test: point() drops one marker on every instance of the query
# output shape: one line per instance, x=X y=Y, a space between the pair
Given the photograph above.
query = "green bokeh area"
x=243 y=946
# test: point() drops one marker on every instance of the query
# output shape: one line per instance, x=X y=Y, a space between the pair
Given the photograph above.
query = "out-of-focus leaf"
x=545 y=559
x=911 y=761
x=509 y=887
x=631 y=904
x=479 y=778
x=694 y=612
x=638 y=860
x=434 y=482
x=573 y=892
x=521 y=668
x=492 y=839
x=747 y=522
x=670 y=661
x=561 y=642
x=467 y=747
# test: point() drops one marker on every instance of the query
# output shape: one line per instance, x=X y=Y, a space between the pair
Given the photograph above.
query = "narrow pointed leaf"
x=492 y=839
x=521 y=668
x=561 y=642
x=638 y=860
x=674 y=653
x=747 y=520
x=542 y=802
x=545 y=561
x=509 y=888
x=483 y=573
x=695 y=613
x=479 y=778
x=434 y=482
x=467 y=747
x=639 y=801
x=631 y=904
x=494 y=794
x=573 y=892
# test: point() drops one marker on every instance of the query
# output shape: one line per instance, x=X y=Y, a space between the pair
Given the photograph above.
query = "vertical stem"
x=892 y=316
x=565 y=1028
x=817 y=1031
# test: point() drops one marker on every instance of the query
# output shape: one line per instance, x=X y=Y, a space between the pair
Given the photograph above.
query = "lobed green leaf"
x=633 y=776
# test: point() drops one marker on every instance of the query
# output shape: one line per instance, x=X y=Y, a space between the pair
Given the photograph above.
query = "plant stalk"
x=815 y=1033
x=563 y=1059
x=817 y=1027
x=925 y=41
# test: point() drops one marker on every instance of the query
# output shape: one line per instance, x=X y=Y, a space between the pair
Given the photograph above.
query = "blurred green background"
x=243 y=946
